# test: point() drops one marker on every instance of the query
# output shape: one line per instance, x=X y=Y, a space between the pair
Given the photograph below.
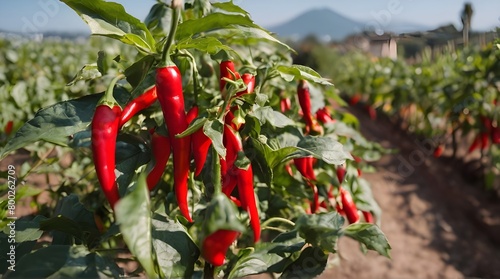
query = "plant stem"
x=165 y=57
x=108 y=98
x=216 y=175
x=278 y=219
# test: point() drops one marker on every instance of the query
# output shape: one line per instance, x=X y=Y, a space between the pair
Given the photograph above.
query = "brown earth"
x=438 y=224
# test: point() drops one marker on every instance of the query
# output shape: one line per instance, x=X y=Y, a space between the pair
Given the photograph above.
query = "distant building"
x=377 y=45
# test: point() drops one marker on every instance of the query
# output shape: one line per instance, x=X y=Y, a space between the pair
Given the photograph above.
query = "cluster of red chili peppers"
x=109 y=118
x=305 y=165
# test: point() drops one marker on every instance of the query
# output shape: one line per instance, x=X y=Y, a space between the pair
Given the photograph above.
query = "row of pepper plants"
x=266 y=171
x=448 y=99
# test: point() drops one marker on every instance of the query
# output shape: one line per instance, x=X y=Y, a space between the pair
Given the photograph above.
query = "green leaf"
x=111 y=20
x=325 y=148
x=158 y=19
x=136 y=72
x=193 y=127
x=27 y=230
x=64 y=261
x=321 y=230
x=260 y=261
x=87 y=72
x=299 y=72
x=73 y=223
x=275 y=118
x=371 y=236
x=131 y=153
x=311 y=263
x=56 y=123
x=221 y=214
x=245 y=35
x=214 y=21
x=209 y=45
x=175 y=250
x=134 y=217
x=230 y=7
x=213 y=129
x=19 y=93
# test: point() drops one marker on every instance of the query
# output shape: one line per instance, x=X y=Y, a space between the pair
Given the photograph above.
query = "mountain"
x=319 y=22
x=330 y=25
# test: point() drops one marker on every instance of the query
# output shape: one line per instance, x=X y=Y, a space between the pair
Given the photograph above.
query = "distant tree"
x=466 y=21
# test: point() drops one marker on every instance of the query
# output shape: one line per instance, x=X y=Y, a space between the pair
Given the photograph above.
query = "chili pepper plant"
x=266 y=168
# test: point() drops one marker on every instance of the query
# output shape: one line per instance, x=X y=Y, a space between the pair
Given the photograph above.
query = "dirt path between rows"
x=438 y=225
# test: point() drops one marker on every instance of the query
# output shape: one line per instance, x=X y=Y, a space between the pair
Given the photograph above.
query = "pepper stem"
x=108 y=98
x=216 y=172
x=176 y=9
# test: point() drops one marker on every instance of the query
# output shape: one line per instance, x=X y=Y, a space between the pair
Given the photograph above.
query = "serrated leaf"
x=57 y=122
x=371 y=236
x=134 y=217
x=176 y=252
x=299 y=72
x=111 y=20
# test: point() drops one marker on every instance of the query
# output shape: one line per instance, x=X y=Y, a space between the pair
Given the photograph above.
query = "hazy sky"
x=43 y=15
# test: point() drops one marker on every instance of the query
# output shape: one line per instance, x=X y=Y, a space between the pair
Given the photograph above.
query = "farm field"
x=195 y=143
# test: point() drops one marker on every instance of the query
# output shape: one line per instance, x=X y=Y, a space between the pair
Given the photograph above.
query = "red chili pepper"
x=438 y=151
x=475 y=144
x=340 y=174
x=249 y=81
x=495 y=135
x=315 y=202
x=104 y=130
x=305 y=103
x=348 y=206
x=171 y=98
x=368 y=216
x=306 y=167
x=244 y=179
x=215 y=246
x=229 y=120
x=227 y=70
x=371 y=112
x=136 y=105
x=324 y=116
x=192 y=114
x=285 y=105
x=484 y=140
x=8 y=127
x=200 y=143
x=355 y=99
x=247 y=198
x=160 y=148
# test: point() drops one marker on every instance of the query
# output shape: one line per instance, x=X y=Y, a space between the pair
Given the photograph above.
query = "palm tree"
x=466 y=21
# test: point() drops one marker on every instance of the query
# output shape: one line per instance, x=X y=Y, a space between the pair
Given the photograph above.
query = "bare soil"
x=439 y=224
